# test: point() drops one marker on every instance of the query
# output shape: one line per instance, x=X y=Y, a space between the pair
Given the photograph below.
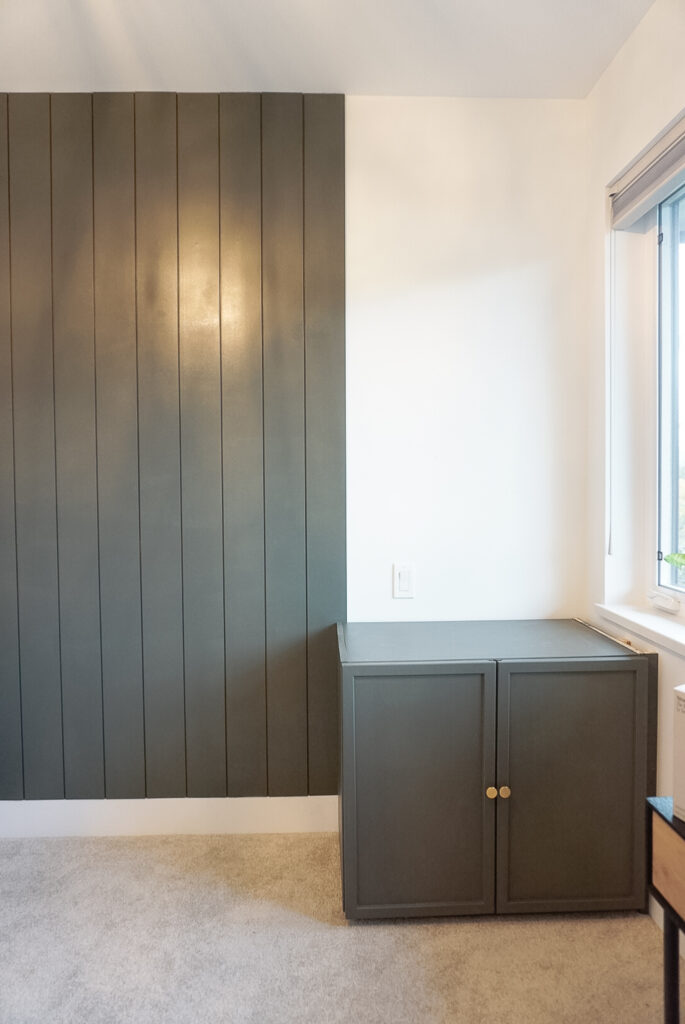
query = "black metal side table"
x=666 y=835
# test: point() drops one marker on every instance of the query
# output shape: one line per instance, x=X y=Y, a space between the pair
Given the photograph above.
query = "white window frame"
x=664 y=339
x=632 y=590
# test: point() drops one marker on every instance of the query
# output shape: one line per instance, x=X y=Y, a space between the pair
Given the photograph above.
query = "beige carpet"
x=244 y=929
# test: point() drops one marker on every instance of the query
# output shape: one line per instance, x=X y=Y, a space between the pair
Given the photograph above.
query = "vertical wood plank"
x=117 y=432
x=200 y=368
x=75 y=444
x=284 y=463
x=158 y=411
x=129 y=431
x=243 y=450
x=324 y=316
x=11 y=769
x=34 y=440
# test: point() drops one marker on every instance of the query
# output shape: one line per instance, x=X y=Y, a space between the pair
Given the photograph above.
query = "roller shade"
x=658 y=172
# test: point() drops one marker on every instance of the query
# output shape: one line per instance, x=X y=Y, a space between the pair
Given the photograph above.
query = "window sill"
x=658 y=628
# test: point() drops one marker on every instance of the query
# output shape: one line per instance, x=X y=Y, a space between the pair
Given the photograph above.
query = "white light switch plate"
x=402 y=580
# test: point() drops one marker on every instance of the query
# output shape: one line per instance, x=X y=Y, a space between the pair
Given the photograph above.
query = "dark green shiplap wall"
x=172 y=483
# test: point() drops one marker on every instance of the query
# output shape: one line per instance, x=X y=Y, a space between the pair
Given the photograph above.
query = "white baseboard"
x=196 y=816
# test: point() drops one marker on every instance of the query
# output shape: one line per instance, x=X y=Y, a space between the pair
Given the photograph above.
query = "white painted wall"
x=640 y=93
x=466 y=285
x=466 y=344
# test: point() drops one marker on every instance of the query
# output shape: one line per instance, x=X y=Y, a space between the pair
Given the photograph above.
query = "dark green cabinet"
x=511 y=783
x=572 y=747
x=414 y=732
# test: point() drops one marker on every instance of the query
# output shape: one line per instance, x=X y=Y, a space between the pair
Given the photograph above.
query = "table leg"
x=671 y=970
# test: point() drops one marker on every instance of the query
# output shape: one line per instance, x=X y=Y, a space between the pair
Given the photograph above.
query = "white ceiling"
x=487 y=48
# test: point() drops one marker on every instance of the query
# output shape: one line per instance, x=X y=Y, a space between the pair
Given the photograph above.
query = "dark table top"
x=663 y=805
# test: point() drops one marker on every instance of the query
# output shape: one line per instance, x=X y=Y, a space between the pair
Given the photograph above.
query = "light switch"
x=402 y=580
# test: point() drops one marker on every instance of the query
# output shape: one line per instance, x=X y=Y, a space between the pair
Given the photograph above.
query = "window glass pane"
x=672 y=392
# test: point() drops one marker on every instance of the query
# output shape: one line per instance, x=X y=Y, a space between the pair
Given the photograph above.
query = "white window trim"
x=655 y=628
x=637 y=613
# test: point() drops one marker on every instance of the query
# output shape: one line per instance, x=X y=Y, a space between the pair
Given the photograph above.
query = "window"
x=671 y=564
x=644 y=567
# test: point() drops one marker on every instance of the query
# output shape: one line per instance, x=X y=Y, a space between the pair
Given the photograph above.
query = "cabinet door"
x=418 y=752
x=572 y=747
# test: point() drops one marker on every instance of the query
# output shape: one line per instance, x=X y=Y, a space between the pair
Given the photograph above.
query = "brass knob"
x=504 y=792
x=491 y=792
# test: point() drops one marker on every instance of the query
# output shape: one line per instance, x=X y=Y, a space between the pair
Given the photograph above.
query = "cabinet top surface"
x=478 y=640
